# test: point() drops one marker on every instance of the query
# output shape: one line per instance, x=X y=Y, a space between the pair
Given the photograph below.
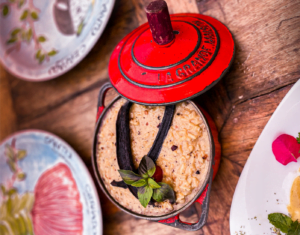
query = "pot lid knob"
x=159 y=21
x=171 y=58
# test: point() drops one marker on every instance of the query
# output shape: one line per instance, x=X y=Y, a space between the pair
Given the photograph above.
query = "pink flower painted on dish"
x=53 y=208
x=286 y=149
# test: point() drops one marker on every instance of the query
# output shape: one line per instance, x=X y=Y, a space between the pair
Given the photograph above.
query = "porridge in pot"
x=184 y=156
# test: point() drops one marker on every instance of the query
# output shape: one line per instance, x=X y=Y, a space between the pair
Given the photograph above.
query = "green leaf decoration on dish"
x=9 y=152
x=21 y=176
x=144 y=195
x=34 y=15
x=21 y=3
x=139 y=183
x=153 y=184
x=21 y=154
x=12 y=40
x=280 y=221
x=12 y=191
x=15 y=214
x=41 y=58
x=80 y=27
x=5 y=10
x=52 y=53
x=42 y=39
x=298 y=138
x=29 y=35
x=15 y=32
x=147 y=167
x=12 y=165
x=129 y=177
x=24 y=15
x=3 y=190
x=163 y=193
x=38 y=54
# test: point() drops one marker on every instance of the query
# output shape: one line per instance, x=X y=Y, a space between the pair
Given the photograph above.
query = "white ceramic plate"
x=264 y=185
x=41 y=40
x=44 y=172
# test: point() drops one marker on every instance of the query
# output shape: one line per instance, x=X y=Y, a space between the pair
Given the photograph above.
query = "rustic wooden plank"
x=246 y=123
x=74 y=121
x=267 y=40
x=89 y=74
x=8 y=121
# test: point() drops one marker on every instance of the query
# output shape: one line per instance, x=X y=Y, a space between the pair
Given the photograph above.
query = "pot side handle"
x=101 y=98
x=204 y=201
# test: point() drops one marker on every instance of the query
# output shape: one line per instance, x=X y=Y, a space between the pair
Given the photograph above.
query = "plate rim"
x=246 y=168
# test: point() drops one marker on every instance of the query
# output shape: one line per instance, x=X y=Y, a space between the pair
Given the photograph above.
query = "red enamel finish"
x=145 y=72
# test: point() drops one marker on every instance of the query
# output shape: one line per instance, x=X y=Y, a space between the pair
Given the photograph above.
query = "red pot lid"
x=197 y=57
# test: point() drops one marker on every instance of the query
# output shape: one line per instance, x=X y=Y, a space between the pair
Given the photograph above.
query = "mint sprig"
x=298 y=138
x=284 y=223
x=147 y=187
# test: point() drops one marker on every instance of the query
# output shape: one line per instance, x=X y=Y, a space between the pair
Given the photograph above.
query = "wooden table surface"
x=267 y=64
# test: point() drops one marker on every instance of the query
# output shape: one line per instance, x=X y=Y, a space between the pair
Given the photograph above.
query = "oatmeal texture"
x=184 y=157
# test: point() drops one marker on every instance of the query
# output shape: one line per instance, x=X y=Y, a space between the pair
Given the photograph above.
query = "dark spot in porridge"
x=174 y=147
x=158 y=126
x=146 y=123
x=166 y=165
x=139 y=132
x=198 y=172
x=205 y=156
x=158 y=117
x=102 y=147
x=178 y=114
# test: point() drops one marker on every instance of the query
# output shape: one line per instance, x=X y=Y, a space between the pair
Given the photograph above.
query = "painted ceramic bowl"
x=41 y=40
x=45 y=187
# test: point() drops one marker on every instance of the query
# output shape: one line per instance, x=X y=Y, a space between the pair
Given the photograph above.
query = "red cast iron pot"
x=166 y=61
x=202 y=196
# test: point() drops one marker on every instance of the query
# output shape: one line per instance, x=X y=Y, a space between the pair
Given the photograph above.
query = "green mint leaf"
x=24 y=15
x=294 y=229
x=52 y=53
x=153 y=184
x=280 y=221
x=79 y=29
x=144 y=195
x=146 y=167
x=21 y=154
x=139 y=183
x=42 y=39
x=34 y=15
x=129 y=177
x=15 y=32
x=12 y=40
x=5 y=10
x=163 y=193
x=298 y=138
x=21 y=176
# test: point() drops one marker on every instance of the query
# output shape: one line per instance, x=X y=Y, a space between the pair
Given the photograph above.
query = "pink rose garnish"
x=286 y=149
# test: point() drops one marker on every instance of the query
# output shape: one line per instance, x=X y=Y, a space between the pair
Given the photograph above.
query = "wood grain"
x=8 y=121
x=267 y=64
